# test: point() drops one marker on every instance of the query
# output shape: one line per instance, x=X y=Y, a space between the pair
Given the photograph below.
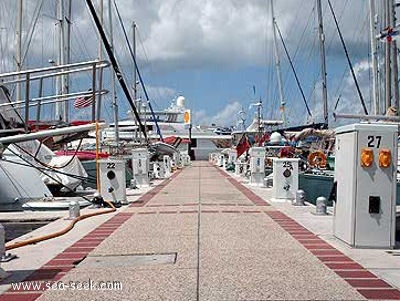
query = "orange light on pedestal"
x=367 y=157
x=385 y=157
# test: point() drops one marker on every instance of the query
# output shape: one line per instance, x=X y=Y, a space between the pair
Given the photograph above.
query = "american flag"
x=83 y=101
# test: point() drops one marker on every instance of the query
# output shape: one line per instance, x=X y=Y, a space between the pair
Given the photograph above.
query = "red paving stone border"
x=144 y=199
x=167 y=206
x=58 y=266
x=188 y=211
x=254 y=198
x=20 y=296
x=365 y=282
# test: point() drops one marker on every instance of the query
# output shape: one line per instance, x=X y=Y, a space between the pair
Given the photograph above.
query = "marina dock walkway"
x=202 y=235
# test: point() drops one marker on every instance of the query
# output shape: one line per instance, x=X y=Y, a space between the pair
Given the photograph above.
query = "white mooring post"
x=285 y=179
x=257 y=166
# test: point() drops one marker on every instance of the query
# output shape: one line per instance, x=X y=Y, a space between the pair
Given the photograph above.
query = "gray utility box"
x=141 y=166
x=113 y=180
x=365 y=172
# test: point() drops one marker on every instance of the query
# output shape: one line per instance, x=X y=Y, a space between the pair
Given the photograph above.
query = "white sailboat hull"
x=19 y=182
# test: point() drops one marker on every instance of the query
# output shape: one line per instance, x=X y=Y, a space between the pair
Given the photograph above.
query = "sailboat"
x=30 y=170
x=321 y=184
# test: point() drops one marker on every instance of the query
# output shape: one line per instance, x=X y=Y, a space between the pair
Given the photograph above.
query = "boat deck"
x=203 y=235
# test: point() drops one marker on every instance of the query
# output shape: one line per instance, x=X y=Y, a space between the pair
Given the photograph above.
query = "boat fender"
x=317 y=159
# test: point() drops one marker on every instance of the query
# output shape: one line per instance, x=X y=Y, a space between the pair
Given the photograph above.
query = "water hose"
x=34 y=240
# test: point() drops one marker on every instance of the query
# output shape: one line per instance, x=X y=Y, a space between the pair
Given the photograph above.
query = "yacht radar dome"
x=180 y=101
x=275 y=138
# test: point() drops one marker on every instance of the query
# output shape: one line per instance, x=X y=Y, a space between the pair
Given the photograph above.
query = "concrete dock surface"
x=203 y=235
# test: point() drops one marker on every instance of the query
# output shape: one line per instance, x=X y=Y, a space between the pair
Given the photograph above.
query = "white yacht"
x=201 y=140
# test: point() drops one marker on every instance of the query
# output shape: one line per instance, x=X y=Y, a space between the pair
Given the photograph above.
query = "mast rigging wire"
x=34 y=157
x=82 y=178
x=293 y=69
x=116 y=68
x=137 y=70
x=32 y=27
x=348 y=59
x=48 y=175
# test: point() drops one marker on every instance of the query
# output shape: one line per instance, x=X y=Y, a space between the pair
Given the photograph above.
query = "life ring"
x=317 y=159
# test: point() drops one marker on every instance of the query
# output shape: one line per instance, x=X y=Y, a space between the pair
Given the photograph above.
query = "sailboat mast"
x=134 y=53
x=113 y=94
x=388 y=92
x=18 y=48
x=60 y=114
x=101 y=17
x=134 y=72
x=395 y=71
x=100 y=56
x=278 y=64
x=67 y=54
x=323 y=63
x=116 y=68
x=374 y=56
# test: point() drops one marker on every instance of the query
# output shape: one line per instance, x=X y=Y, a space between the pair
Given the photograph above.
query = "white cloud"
x=349 y=102
x=200 y=117
x=158 y=92
x=232 y=32
x=194 y=32
x=226 y=117
x=191 y=33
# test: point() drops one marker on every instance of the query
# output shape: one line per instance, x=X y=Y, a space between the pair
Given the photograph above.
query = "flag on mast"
x=242 y=146
x=83 y=101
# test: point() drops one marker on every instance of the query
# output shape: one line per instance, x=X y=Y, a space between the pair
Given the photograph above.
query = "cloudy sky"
x=216 y=53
